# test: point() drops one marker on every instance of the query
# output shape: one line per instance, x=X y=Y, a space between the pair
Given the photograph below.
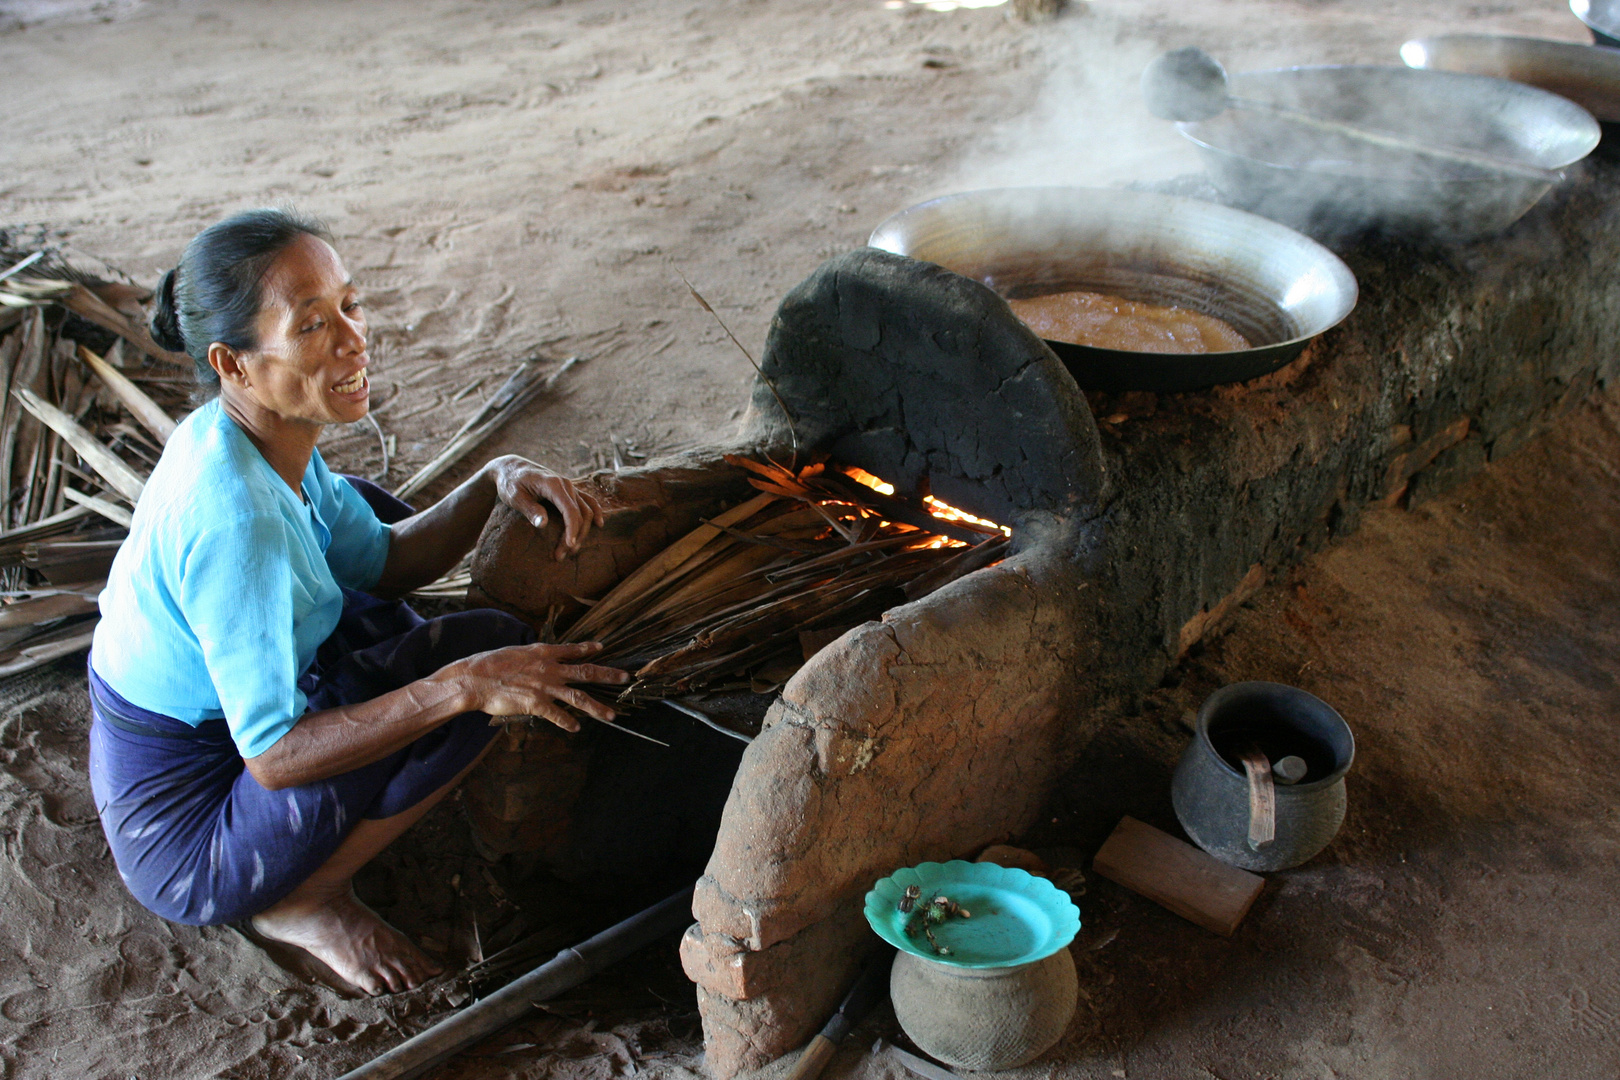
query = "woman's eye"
x=353 y=305
x=312 y=327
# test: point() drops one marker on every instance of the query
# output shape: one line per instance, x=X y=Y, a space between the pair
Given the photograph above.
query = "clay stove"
x=920 y=736
x=945 y=724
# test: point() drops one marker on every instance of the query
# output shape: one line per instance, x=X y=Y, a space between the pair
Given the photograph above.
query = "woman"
x=264 y=724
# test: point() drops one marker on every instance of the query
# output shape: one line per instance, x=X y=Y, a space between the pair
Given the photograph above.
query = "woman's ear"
x=227 y=364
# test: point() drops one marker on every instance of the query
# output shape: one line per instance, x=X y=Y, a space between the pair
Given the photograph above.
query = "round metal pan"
x=1277 y=288
x=1602 y=17
x=1588 y=75
x=1332 y=187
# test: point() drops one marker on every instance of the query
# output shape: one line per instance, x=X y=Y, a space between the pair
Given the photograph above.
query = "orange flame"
x=942 y=510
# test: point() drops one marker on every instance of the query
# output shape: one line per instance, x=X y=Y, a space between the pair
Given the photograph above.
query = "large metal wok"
x=1588 y=75
x=1277 y=288
x=1331 y=186
x=1602 y=17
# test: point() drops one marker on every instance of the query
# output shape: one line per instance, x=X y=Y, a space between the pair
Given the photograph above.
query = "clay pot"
x=984 y=1018
x=1211 y=795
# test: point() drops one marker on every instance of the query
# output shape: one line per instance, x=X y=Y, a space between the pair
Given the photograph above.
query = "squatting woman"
x=266 y=719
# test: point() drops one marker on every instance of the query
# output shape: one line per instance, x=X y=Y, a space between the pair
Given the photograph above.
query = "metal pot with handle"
x=1232 y=789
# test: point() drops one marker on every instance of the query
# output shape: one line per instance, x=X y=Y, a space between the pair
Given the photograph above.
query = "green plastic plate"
x=1017 y=917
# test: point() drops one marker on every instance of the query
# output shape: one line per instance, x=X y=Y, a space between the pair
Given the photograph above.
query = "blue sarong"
x=198 y=840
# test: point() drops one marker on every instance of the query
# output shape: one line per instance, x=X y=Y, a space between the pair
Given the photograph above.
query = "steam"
x=1088 y=126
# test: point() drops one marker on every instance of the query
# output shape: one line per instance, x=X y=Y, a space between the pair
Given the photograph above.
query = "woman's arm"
x=426 y=545
x=522 y=680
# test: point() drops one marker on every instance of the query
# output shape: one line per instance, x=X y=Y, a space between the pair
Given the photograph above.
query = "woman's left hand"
x=527 y=487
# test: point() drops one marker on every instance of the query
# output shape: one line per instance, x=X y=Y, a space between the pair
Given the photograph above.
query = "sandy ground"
x=507 y=178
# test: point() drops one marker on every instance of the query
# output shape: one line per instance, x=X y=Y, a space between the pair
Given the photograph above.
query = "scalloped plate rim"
x=887 y=891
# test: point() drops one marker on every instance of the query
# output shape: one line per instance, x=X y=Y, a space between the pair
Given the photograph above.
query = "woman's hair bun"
x=166 y=316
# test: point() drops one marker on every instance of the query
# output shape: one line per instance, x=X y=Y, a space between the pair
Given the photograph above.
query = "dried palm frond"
x=815 y=550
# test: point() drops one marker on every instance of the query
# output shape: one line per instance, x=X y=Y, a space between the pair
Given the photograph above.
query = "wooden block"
x=1195 y=885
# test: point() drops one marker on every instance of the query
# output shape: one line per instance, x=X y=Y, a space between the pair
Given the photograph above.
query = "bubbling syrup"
x=1109 y=322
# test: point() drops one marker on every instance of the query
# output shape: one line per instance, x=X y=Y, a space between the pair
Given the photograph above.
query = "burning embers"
x=816 y=552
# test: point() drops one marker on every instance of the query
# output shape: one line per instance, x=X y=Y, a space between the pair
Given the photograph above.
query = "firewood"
x=658 y=566
x=44 y=609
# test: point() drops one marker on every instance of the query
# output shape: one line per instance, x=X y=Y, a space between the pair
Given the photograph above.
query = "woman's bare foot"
x=349 y=938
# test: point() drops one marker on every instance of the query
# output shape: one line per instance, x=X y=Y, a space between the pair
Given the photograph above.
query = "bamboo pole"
x=416 y=1055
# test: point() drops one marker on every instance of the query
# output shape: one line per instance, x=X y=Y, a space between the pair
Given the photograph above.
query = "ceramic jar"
x=984 y=1018
x=1211 y=793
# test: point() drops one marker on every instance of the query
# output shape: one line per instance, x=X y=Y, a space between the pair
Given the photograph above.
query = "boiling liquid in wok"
x=1109 y=322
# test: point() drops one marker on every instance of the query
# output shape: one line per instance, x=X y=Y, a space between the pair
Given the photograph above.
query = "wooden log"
x=1170 y=872
x=33 y=656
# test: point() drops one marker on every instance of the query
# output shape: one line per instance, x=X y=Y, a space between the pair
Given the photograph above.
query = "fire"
x=861 y=476
x=942 y=510
x=946 y=512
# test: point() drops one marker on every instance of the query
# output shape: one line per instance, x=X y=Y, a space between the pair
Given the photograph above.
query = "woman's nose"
x=352 y=338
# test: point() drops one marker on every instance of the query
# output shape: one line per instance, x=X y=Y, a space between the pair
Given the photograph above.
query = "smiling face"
x=309 y=366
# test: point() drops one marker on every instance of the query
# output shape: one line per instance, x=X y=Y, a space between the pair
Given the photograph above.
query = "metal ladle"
x=1189 y=85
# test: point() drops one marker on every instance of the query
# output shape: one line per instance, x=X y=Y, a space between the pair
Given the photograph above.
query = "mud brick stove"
x=943 y=726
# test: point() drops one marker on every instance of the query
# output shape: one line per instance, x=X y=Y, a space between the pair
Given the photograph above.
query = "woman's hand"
x=534 y=680
x=523 y=680
x=525 y=487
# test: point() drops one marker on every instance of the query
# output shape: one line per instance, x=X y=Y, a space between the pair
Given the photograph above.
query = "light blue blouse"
x=229 y=582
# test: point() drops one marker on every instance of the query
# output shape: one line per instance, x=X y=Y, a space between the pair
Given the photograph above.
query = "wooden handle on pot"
x=1262 y=799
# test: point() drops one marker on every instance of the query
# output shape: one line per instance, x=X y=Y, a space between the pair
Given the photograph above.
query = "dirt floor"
x=1462 y=924
x=508 y=178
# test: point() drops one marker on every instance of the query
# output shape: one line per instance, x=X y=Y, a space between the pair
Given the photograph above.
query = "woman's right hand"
x=535 y=680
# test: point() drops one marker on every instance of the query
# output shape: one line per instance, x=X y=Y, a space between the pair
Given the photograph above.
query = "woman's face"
x=310 y=363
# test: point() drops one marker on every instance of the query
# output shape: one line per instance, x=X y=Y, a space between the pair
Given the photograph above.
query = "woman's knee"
x=465 y=633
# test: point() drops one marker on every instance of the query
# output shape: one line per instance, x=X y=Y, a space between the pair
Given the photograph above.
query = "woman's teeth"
x=352 y=383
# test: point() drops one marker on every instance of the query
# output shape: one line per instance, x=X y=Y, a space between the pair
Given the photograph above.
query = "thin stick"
x=704 y=718
x=23 y=373
x=793 y=429
x=519 y=389
x=494 y=720
x=10 y=370
x=32 y=488
x=382 y=440
x=25 y=264
x=53 y=477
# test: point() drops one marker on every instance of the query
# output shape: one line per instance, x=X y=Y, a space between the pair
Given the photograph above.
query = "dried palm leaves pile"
x=87 y=400
x=814 y=553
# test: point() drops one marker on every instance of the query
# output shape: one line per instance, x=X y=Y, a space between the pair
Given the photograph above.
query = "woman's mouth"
x=353 y=384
